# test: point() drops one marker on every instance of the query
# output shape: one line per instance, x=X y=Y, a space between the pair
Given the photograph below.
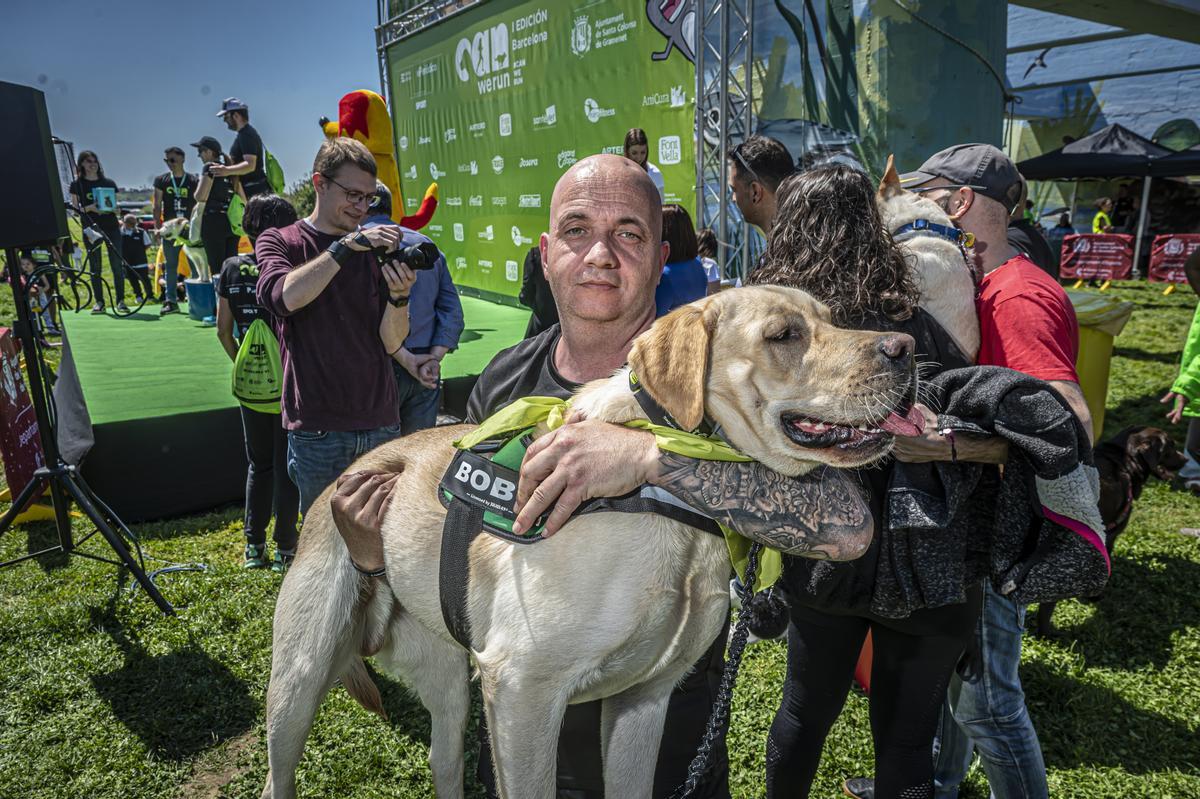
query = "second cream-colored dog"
x=616 y=606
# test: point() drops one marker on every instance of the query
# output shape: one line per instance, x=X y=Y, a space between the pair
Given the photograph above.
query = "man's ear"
x=671 y=361
x=968 y=199
x=890 y=186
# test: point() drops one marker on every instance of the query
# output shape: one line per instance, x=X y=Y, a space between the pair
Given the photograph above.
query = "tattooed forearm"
x=822 y=514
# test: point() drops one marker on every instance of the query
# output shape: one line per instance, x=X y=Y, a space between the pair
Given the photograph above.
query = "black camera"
x=418 y=257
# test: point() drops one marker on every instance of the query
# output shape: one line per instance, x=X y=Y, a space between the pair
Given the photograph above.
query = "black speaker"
x=31 y=201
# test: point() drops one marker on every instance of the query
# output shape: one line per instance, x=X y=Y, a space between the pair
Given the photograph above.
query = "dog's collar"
x=920 y=227
x=1126 y=511
x=658 y=415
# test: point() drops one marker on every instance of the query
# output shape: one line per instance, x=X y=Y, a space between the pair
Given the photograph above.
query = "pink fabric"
x=1083 y=530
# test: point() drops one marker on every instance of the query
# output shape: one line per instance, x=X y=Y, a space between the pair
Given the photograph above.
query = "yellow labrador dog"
x=944 y=276
x=615 y=607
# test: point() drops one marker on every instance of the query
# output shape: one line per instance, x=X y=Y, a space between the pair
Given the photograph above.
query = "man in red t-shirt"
x=1027 y=323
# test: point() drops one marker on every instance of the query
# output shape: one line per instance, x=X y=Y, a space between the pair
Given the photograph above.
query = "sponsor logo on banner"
x=594 y=112
x=497 y=165
x=518 y=239
x=411 y=202
x=529 y=201
x=428 y=68
x=420 y=105
x=478 y=128
x=485 y=265
x=488 y=233
x=459 y=233
x=1082 y=245
x=618 y=149
x=434 y=172
x=424 y=140
x=460 y=262
x=676 y=97
x=1174 y=247
x=454 y=201
x=566 y=158
x=475 y=201
x=505 y=124
x=525 y=163
x=581 y=36
x=470 y=168
x=512 y=272
x=411 y=172
x=406 y=76
x=485 y=56
x=547 y=119
x=615 y=29
x=403 y=142
x=500 y=201
x=670 y=151
x=434 y=230
x=449 y=135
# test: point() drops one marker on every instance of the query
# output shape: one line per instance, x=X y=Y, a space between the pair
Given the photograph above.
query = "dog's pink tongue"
x=911 y=424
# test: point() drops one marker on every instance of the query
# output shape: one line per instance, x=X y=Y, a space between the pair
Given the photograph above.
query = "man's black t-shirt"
x=527 y=370
x=248 y=142
x=84 y=189
x=178 y=194
x=238 y=283
x=1025 y=236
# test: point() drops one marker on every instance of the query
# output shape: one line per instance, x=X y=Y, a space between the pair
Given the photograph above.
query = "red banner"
x=19 y=442
x=1107 y=256
x=1168 y=255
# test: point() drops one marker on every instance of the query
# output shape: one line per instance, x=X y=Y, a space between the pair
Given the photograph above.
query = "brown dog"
x=1125 y=462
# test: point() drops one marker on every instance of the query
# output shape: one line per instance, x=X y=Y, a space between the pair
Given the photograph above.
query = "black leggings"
x=219 y=241
x=913 y=661
x=116 y=264
x=268 y=487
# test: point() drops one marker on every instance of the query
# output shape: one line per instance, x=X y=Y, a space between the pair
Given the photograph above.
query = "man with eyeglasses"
x=1027 y=323
x=756 y=168
x=341 y=316
x=174 y=197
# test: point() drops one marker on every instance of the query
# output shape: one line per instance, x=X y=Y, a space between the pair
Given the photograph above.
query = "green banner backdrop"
x=494 y=104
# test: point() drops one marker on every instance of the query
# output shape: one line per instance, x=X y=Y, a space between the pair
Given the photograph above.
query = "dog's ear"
x=890 y=185
x=1154 y=448
x=671 y=361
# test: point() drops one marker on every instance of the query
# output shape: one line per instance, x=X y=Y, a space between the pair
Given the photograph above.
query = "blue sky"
x=128 y=79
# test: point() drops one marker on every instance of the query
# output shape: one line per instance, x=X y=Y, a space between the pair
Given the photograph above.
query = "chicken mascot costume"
x=363 y=115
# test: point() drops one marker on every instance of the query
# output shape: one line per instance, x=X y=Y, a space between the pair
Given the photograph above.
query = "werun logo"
x=486 y=55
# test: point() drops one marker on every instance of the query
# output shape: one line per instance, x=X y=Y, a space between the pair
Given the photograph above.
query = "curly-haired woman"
x=829 y=240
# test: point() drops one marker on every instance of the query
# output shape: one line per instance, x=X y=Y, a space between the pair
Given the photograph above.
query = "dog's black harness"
x=479 y=493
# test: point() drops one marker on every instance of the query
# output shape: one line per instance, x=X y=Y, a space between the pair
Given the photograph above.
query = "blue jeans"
x=318 y=457
x=418 y=405
x=987 y=712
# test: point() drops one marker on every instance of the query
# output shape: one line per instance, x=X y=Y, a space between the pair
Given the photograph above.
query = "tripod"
x=59 y=478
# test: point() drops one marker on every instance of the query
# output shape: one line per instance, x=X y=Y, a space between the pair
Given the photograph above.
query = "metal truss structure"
x=400 y=19
x=724 y=51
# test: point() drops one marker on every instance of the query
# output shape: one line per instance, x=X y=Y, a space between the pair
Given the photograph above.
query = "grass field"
x=102 y=697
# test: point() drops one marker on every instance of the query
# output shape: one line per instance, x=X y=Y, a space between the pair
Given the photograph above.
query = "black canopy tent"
x=1111 y=152
x=1182 y=164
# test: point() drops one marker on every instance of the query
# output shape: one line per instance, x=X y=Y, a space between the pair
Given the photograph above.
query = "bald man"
x=603 y=256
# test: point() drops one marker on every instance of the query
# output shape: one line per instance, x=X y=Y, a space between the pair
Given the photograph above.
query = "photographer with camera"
x=341 y=315
x=435 y=322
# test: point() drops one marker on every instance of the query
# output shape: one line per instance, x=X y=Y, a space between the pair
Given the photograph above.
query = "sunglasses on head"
x=741 y=159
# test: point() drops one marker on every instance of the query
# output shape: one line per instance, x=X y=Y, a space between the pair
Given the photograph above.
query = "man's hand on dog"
x=580 y=461
x=359 y=505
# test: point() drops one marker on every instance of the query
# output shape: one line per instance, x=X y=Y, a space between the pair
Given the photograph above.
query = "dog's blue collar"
x=919 y=226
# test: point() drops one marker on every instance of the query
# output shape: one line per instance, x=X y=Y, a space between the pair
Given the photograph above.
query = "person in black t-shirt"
x=96 y=198
x=174 y=198
x=267 y=483
x=247 y=154
x=215 y=192
x=1027 y=237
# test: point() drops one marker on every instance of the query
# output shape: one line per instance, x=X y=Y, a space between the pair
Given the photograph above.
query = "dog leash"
x=718 y=720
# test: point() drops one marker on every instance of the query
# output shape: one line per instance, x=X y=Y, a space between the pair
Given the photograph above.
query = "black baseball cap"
x=981 y=167
x=208 y=142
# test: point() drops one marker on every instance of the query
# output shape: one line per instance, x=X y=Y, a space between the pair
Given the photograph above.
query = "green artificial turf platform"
x=148 y=365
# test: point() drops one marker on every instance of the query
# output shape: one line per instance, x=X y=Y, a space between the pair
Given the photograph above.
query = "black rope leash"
x=718 y=720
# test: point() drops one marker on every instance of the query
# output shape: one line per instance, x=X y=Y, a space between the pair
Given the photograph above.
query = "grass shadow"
x=177 y=704
x=42 y=535
x=472 y=334
x=1145 y=410
x=1126 y=629
x=1082 y=724
x=1138 y=354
